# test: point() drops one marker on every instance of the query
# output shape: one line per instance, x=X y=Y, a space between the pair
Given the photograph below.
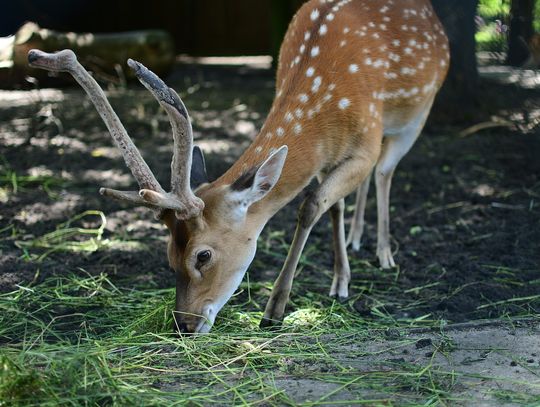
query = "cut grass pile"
x=83 y=341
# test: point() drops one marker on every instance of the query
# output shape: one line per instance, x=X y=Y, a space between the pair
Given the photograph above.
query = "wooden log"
x=104 y=54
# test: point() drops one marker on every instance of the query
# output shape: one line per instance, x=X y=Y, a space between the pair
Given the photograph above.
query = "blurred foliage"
x=494 y=8
x=492 y=22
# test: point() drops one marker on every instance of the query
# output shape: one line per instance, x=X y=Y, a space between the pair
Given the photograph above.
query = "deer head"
x=212 y=240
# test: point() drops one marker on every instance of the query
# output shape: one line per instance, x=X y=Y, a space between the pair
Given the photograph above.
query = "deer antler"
x=151 y=194
x=182 y=132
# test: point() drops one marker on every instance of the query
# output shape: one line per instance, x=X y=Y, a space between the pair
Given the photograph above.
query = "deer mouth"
x=196 y=324
x=207 y=319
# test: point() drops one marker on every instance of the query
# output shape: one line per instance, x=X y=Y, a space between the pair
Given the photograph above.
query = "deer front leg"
x=340 y=182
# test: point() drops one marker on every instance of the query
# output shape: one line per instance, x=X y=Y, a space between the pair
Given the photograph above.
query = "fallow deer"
x=356 y=80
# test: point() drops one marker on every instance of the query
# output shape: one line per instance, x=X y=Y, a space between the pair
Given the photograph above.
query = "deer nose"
x=182 y=328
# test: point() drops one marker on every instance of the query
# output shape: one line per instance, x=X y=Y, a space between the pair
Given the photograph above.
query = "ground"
x=86 y=293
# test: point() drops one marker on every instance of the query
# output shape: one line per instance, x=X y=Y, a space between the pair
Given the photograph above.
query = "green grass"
x=12 y=183
x=75 y=236
x=83 y=341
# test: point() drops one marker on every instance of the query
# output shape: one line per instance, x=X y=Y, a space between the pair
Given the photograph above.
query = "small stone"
x=422 y=343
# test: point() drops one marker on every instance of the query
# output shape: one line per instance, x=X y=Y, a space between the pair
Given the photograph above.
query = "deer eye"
x=203 y=256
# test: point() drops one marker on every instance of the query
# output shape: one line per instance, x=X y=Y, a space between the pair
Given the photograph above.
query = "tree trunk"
x=457 y=98
x=280 y=16
x=521 y=31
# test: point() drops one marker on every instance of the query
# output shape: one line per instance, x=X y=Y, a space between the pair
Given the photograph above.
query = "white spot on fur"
x=346 y=30
x=353 y=68
x=316 y=84
x=297 y=128
x=288 y=117
x=314 y=15
x=302 y=48
x=394 y=57
x=299 y=113
x=344 y=103
x=258 y=149
x=330 y=17
x=323 y=29
x=303 y=98
x=315 y=51
x=310 y=71
x=408 y=71
x=280 y=132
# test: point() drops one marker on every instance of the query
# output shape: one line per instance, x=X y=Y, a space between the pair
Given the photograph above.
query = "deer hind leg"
x=340 y=182
x=357 y=221
x=394 y=148
x=342 y=271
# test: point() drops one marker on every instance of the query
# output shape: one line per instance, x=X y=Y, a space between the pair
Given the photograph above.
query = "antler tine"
x=66 y=61
x=182 y=136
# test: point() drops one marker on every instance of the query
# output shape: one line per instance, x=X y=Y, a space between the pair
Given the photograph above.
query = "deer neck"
x=283 y=126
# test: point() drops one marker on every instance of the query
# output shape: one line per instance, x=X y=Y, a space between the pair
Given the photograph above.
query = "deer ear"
x=198 y=168
x=255 y=184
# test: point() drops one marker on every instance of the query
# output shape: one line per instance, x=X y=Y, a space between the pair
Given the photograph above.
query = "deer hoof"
x=386 y=260
x=268 y=323
x=339 y=298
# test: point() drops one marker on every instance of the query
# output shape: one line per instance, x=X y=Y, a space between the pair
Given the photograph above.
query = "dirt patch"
x=489 y=365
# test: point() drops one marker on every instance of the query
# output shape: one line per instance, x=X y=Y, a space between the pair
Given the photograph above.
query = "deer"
x=355 y=82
